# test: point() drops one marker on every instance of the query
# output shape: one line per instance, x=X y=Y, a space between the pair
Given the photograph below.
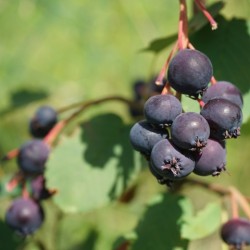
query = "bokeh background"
x=61 y=52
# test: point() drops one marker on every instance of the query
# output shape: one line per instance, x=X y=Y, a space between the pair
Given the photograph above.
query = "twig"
x=234 y=206
x=203 y=9
x=10 y=155
x=213 y=80
x=237 y=198
x=241 y=200
x=50 y=138
x=183 y=26
x=159 y=79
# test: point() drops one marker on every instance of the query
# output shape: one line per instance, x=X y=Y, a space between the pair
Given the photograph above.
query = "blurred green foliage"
x=60 y=52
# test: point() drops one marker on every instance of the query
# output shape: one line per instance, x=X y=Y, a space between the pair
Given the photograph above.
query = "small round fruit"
x=162 y=109
x=143 y=136
x=190 y=131
x=212 y=160
x=33 y=156
x=223 y=117
x=43 y=121
x=24 y=216
x=189 y=72
x=225 y=90
x=170 y=162
x=236 y=232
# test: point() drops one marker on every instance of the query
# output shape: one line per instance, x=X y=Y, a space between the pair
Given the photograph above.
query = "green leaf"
x=203 y=224
x=94 y=166
x=8 y=238
x=195 y=24
x=83 y=235
x=95 y=230
x=228 y=48
x=189 y=104
x=159 y=228
x=245 y=109
x=160 y=44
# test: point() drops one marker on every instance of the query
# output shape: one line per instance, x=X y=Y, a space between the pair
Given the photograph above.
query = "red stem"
x=10 y=155
x=213 y=80
x=14 y=181
x=201 y=103
x=166 y=90
x=242 y=201
x=183 y=26
x=25 y=193
x=159 y=79
x=203 y=9
x=49 y=139
x=190 y=46
x=234 y=206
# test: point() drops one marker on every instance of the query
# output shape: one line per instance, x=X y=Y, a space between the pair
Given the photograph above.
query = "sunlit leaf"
x=93 y=166
x=203 y=223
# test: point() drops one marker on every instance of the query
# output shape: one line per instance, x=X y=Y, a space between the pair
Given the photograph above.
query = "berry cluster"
x=25 y=215
x=177 y=143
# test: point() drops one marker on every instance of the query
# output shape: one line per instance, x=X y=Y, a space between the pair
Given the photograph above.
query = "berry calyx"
x=190 y=131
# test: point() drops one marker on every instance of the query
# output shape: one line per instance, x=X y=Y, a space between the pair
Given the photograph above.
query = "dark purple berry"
x=190 y=131
x=143 y=136
x=43 y=121
x=140 y=90
x=189 y=72
x=236 y=232
x=170 y=162
x=225 y=90
x=33 y=156
x=24 y=216
x=224 y=118
x=162 y=109
x=38 y=188
x=212 y=160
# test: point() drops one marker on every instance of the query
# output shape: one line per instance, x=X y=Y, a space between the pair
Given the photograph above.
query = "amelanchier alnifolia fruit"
x=171 y=162
x=190 y=72
x=224 y=118
x=190 y=131
x=162 y=109
x=225 y=90
x=43 y=121
x=38 y=188
x=24 y=216
x=33 y=156
x=236 y=233
x=212 y=160
x=143 y=136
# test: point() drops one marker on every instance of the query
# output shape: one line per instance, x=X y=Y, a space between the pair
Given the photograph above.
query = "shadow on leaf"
x=22 y=98
x=89 y=242
x=106 y=137
x=229 y=50
x=159 y=228
x=8 y=239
